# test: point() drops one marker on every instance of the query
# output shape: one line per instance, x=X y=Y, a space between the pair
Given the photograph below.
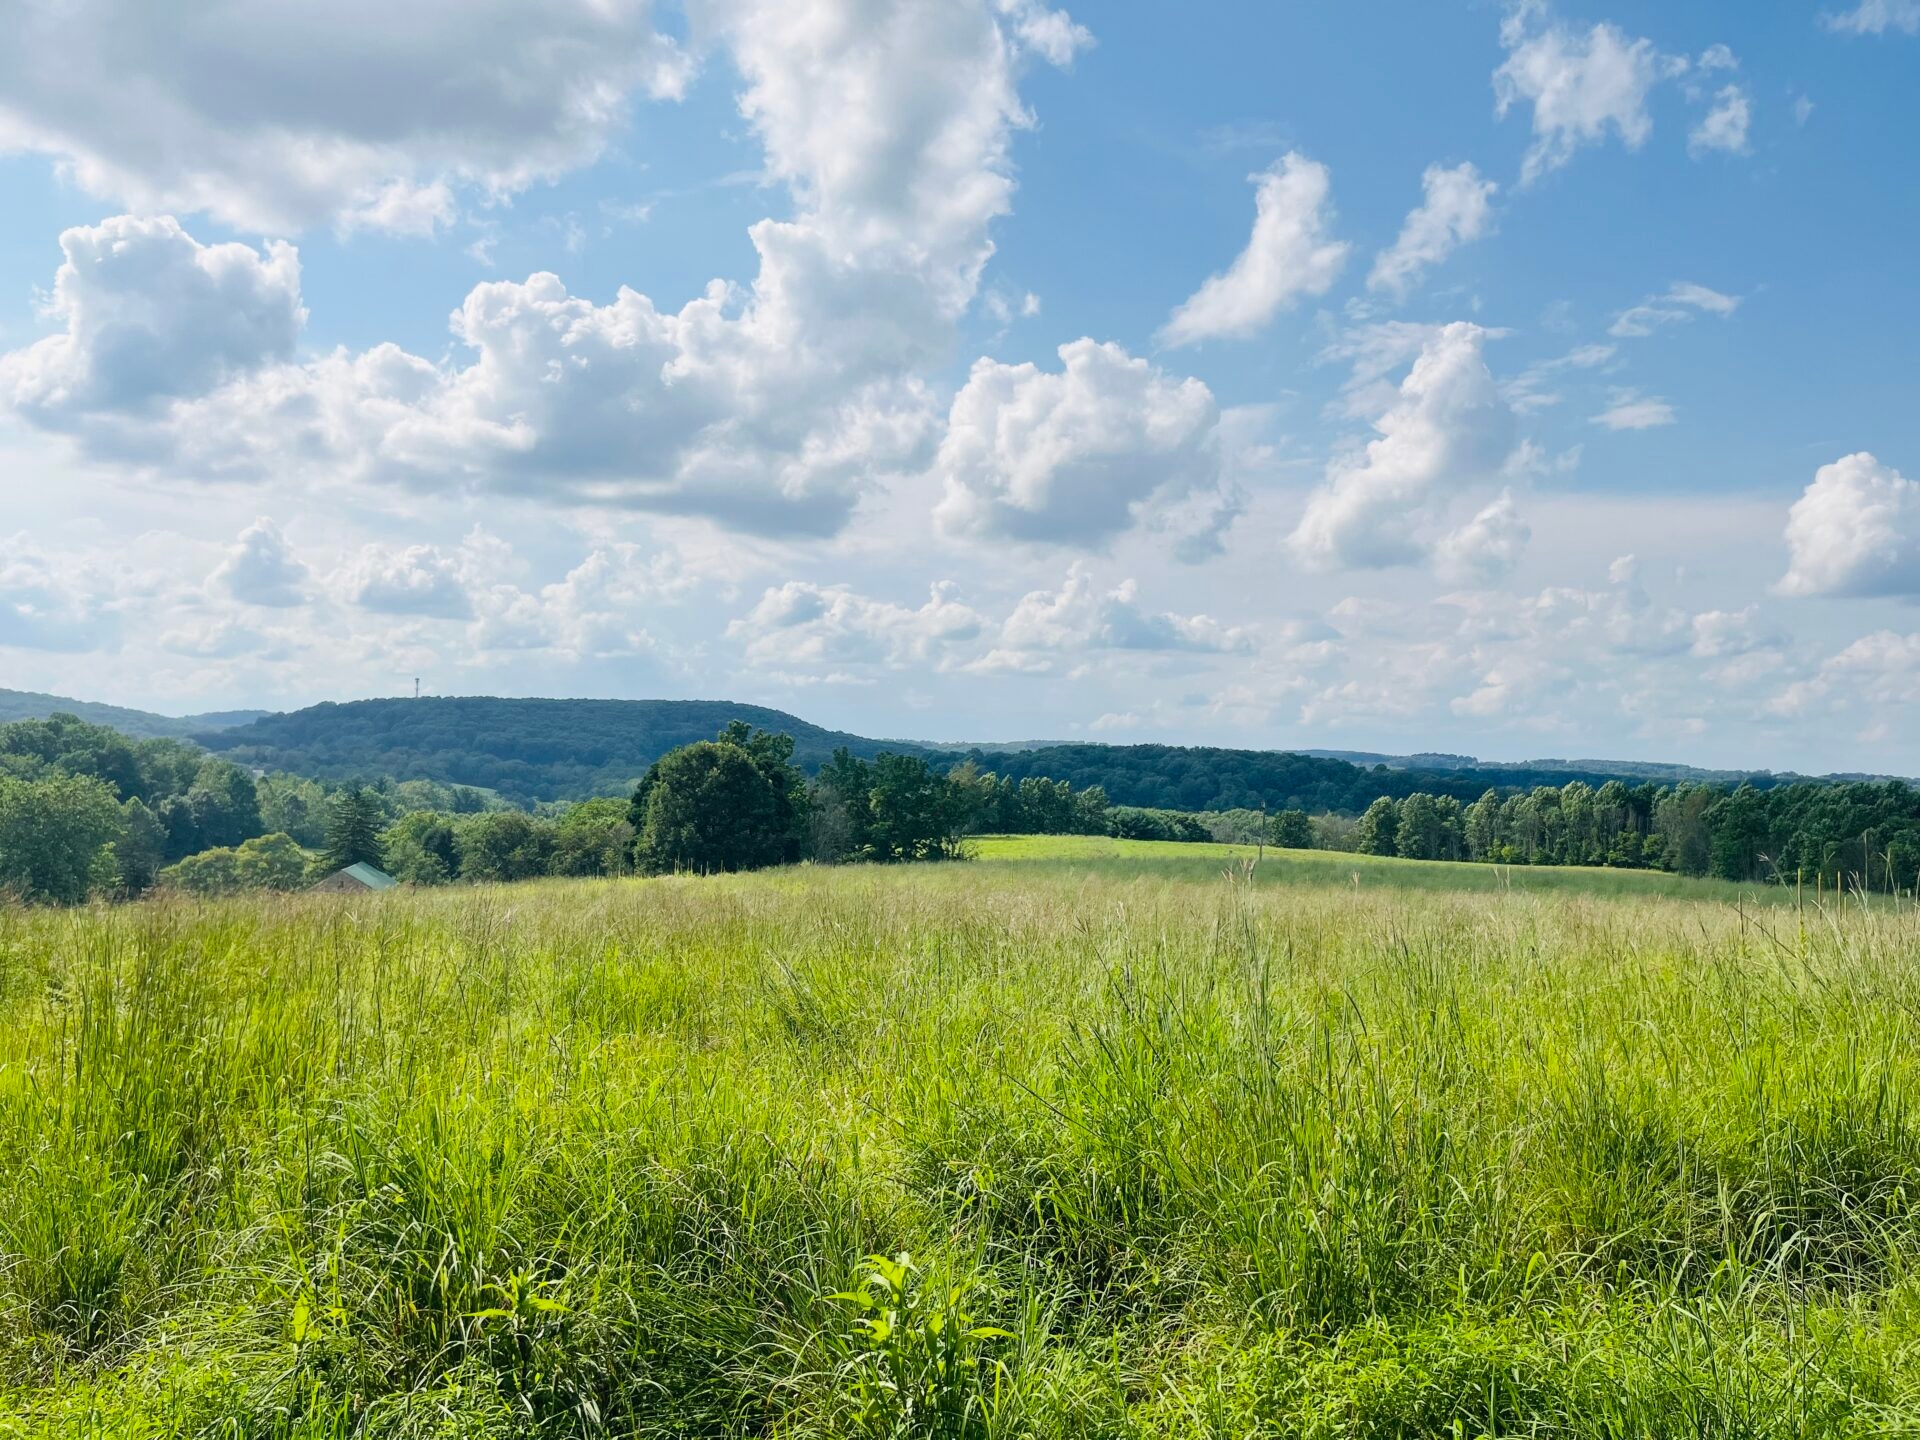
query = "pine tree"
x=353 y=830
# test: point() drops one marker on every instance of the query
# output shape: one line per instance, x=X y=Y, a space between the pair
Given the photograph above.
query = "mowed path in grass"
x=1093 y=854
x=1172 y=1148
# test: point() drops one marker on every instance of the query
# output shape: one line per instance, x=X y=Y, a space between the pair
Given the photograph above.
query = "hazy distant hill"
x=141 y=724
x=528 y=750
x=1660 y=772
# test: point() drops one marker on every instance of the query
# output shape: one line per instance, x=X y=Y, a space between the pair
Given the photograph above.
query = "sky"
x=1518 y=380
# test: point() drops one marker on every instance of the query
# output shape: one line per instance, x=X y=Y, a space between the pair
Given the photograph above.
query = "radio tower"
x=416 y=687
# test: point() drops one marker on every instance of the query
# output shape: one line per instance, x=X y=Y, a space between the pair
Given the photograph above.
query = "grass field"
x=1170 y=1150
x=1170 y=859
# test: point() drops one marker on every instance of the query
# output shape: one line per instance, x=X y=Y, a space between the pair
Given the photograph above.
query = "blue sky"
x=1516 y=379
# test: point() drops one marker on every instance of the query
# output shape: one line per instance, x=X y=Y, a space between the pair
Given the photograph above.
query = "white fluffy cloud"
x=273 y=117
x=803 y=624
x=1881 y=669
x=1080 y=616
x=1447 y=428
x=1289 y=255
x=1855 y=531
x=260 y=568
x=1876 y=17
x=418 y=580
x=771 y=408
x=151 y=314
x=1725 y=126
x=1457 y=210
x=1073 y=456
x=594 y=612
x=1486 y=548
x=1581 y=86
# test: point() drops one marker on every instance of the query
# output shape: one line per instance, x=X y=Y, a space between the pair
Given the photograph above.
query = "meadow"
x=1078 y=1139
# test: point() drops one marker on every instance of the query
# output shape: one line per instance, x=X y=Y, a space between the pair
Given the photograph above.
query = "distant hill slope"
x=528 y=750
x=140 y=724
x=1634 y=771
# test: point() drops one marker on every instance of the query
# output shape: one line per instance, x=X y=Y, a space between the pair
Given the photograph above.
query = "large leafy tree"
x=734 y=803
x=1379 y=829
x=54 y=834
x=503 y=845
x=421 y=848
x=916 y=813
x=1292 y=830
x=707 y=808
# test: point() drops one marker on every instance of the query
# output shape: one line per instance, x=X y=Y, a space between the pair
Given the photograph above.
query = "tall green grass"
x=998 y=1149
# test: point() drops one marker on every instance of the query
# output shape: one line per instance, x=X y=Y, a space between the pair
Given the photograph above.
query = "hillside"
x=528 y=750
x=1632 y=771
x=140 y=724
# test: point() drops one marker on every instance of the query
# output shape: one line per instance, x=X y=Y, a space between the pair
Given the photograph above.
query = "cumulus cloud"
x=151 y=314
x=1073 y=456
x=273 y=118
x=418 y=580
x=260 y=568
x=1683 y=300
x=1581 y=86
x=1447 y=428
x=1486 y=548
x=1876 y=17
x=1880 y=669
x=1724 y=634
x=594 y=612
x=1725 y=126
x=1080 y=617
x=1457 y=210
x=1855 y=531
x=1630 y=410
x=801 y=623
x=1290 y=254
x=771 y=408
x=1531 y=655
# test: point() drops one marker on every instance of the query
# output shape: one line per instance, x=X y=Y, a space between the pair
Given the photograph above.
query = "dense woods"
x=1847 y=835
x=1190 y=778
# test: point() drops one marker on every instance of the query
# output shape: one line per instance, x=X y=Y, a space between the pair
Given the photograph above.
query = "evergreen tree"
x=353 y=830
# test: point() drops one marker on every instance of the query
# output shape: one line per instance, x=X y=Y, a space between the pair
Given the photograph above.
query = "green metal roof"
x=368 y=876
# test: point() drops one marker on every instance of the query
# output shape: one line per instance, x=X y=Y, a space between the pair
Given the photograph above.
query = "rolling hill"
x=140 y=724
x=527 y=750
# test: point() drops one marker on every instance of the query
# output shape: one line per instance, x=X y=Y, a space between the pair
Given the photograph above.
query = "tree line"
x=1837 y=835
x=85 y=811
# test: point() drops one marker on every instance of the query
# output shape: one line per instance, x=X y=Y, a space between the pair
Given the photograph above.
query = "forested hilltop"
x=530 y=751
